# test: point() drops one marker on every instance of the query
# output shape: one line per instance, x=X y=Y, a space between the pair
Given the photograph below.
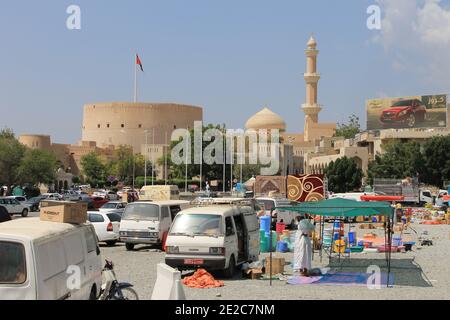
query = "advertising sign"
x=407 y=112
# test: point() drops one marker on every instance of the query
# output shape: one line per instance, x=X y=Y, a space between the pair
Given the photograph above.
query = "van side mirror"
x=98 y=250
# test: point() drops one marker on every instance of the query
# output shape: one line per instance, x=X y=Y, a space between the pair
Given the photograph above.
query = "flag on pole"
x=139 y=63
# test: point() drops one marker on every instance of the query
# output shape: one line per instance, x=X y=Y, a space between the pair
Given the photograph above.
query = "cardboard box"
x=64 y=212
x=277 y=265
x=254 y=273
x=360 y=219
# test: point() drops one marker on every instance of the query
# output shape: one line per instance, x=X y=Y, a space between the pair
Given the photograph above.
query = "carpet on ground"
x=340 y=279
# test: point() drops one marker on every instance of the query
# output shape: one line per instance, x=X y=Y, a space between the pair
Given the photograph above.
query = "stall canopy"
x=339 y=207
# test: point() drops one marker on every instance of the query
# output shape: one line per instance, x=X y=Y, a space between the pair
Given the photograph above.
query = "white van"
x=215 y=237
x=159 y=193
x=266 y=204
x=40 y=261
x=148 y=222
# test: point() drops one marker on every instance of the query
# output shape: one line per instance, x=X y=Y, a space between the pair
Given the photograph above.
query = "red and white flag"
x=139 y=63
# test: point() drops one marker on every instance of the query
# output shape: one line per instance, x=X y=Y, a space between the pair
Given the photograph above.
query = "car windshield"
x=141 y=211
x=12 y=263
x=197 y=224
x=109 y=205
x=404 y=103
x=266 y=204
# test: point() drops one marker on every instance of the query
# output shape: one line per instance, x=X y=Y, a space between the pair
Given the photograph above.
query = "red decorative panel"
x=304 y=188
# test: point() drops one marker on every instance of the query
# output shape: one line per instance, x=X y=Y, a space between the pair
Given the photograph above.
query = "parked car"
x=112 y=196
x=52 y=196
x=41 y=257
x=33 y=203
x=148 y=222
x=106 y=226
x=215 y=237
x=86 y=198
x=266 y=204
x=14 y=207
x=405 y=113
x=71 y=195
x=114 y=207
x=98 y=202
x=4 y=215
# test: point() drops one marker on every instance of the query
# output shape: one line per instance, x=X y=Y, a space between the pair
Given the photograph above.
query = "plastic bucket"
x=282 y=246
x=352 y=238
x=280 y=227
x=264 y=223
x=397 y=241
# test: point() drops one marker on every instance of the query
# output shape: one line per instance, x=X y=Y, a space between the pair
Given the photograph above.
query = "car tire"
x=229 y=272
x=93 y=293
x=411 y=122
x=111 y=243
x=25 y=213
x=129 y=246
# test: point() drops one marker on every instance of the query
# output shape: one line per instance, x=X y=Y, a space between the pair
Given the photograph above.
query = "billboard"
x=407 y=112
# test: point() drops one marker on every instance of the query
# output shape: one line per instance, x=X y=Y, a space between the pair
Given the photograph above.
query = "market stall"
x=340 y=208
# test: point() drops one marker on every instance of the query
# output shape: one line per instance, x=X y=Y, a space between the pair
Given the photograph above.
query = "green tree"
x=436 y=152
x=7 y=133
x=94 y=169
x=11 y=154
x=343 y=175
x=76 y=180
x=121 y=166
x=350 y=129
x=209 y=171
x=399 y=160
x=37 y=166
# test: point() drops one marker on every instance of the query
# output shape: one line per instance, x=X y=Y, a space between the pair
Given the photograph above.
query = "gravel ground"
x=420 y=274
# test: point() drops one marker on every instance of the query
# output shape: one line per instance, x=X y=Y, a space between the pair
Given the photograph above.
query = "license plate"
x=193 y=261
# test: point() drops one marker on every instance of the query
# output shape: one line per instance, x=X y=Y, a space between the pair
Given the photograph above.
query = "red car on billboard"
x=405 y=113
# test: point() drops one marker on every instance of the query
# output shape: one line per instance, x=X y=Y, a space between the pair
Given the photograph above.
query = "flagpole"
x=153 y=157
x=135 y=79
x=165 y=160
x=145 y=157
x=224 y=158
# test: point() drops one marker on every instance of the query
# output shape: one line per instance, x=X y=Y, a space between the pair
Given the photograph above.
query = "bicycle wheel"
x=127 y=294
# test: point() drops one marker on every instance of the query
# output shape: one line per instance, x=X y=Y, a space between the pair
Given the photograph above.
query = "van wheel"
x=129 y=246
x=229 y=272
x=111 y=243
x=93 y=294
x=25 y=213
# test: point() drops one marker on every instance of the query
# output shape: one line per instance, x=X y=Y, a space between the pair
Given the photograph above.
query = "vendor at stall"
x=303 y=247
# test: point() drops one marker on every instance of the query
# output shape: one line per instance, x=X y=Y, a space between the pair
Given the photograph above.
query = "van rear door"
x=252 y=226
x=17 y=280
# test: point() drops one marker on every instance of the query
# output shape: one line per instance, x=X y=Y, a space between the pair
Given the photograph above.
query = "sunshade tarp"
x=339 y=207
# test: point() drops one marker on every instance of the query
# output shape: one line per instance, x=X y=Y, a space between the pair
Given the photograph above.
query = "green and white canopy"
x=339 y=207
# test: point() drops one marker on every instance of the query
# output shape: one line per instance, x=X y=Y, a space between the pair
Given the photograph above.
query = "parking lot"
x=418 y=274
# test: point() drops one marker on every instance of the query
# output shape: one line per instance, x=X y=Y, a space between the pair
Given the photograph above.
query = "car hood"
x=395 y=109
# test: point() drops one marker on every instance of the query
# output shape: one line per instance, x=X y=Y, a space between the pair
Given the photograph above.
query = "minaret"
x=311 y=108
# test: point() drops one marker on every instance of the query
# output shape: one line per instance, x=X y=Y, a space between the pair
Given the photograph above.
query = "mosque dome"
x=266 y=119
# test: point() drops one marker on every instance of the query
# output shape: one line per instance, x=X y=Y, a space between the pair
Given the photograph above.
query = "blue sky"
x=230 y=57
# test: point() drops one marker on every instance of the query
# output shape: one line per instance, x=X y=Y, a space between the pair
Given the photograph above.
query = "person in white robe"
x=303 y=246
